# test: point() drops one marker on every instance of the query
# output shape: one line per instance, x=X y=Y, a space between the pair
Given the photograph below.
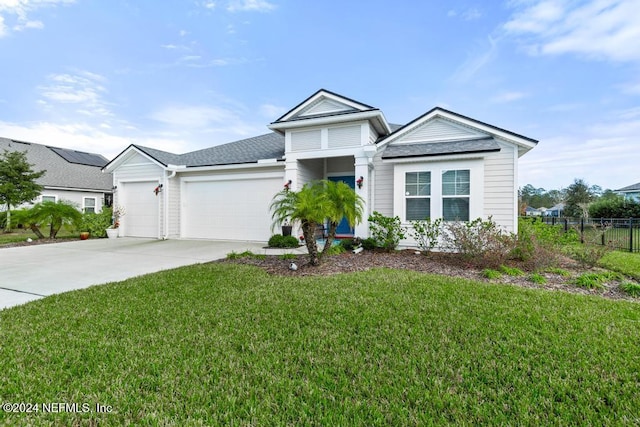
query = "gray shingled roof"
x=633 y=187
x=60 y=172
x=250 y=150
x=422 y=149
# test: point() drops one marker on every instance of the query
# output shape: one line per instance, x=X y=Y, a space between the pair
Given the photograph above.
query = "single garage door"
x=231 y=209
x=141 y=207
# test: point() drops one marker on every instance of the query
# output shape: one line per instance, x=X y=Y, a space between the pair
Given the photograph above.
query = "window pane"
x=418 y=184
x=89 y=203
x=418 y=209
x=49 y=198
x=455 y=209
x=456 y=183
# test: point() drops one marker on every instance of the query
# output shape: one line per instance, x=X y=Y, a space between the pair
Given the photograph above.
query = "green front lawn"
x=623 y=262
x=228 y=344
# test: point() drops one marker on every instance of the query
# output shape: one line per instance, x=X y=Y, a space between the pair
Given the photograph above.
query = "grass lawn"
x=228 y=344
x=22 y=235
x=623 y=262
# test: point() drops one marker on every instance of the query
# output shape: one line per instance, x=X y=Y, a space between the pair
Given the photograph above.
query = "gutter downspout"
x=166 y=203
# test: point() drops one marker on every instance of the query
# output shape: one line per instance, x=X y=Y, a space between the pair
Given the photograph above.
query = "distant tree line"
x=580 y=200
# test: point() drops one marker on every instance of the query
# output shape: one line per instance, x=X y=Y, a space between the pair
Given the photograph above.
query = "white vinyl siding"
x=324 y=106
x=383 y=187
x=306 y=140
x=309 y=170
x=345 y=136
x=438 y=130
x=500 y=187
x=174 y=207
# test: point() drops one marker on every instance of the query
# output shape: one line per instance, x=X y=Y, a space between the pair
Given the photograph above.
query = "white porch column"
x=291 y=173
x=362 y=170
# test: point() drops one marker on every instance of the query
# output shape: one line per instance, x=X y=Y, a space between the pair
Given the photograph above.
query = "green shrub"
x=426 y=233
x=386 y=231
x=288 y=256
x=369 y=244
x=538 y=279
x=559 y=271
x=596 y=280
x=615 y=208
x=478 y=241
x=96 y=223
x=349 y=244
x=587 y=255
x=491 y=274
x=336 y=250
x=631 y=288
x=511 y=271
x=280 y=241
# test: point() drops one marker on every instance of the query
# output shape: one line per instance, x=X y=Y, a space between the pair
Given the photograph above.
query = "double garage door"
x=228 y=208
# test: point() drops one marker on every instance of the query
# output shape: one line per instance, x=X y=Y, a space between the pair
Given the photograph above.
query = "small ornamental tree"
x=55 y=215
x=17 y=181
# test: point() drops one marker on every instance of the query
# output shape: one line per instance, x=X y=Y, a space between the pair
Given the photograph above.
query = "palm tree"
x=56 y=214
x=343 y=202
x=316 y=202
x=307 y=207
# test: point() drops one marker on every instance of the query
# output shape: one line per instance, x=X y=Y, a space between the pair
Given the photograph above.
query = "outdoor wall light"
x=287 y=186
x=158 y=189
x=360 y=181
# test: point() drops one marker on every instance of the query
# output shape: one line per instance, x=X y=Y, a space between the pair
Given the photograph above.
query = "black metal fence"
x=619 y=233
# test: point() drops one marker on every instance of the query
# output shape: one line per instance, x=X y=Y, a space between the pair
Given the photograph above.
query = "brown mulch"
x=447 y=264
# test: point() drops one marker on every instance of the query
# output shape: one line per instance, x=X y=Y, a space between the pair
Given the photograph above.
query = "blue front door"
x=343 y=227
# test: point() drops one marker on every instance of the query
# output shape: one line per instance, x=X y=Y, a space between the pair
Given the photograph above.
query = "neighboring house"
x=442 y=164
x=70 y=175
x=556 y=210
x=631 y=192
x=529 y=211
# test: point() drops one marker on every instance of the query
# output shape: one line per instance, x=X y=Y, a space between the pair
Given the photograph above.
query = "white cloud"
x=271 y=112
x=250 y=6
x=508 y=97
x=83 y=91
x=181 y=116
x=595 y=29
x=471 y=14
x=600 y=154
x=19 y=11
x=475 y=62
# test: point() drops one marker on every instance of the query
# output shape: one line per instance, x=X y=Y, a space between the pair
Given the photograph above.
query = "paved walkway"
x=28 y=273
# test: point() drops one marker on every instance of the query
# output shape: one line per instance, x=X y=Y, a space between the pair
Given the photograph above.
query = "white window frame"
x=84 y=204
x=408 y=196
x=42 y=197
x=455 y=196
x=476 y=193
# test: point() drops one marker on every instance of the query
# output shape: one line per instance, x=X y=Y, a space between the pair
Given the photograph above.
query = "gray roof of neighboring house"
x=422 y=149
x=250 y=150
x=633 y=187
x=65 y=168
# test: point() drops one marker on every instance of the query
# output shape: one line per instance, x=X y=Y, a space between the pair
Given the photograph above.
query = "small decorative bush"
x=595 y=280
x=426 y=233
x=386 y=231
x=280 y=241
x=478 y=241
x=491 y=274
x=537 y=244
x=336 y=250
x=538 y=278
x=511 y=271
x=631 y=288
x=96 y=223
x=559 y=271
x=368 y=244
x=587 y=255
x=349 y=244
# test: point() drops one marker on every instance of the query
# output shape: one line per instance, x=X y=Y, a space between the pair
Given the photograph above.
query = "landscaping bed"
x=447 y=264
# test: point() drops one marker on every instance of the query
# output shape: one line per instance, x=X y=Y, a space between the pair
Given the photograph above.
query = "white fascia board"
x=493 y=131
x=233 y=167
x=86 y=190
x=115 y=163
x=433 y=159
x=323 y=94
x=328 y=120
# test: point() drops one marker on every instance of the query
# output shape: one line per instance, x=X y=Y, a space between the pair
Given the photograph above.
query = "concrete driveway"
x=32 y=272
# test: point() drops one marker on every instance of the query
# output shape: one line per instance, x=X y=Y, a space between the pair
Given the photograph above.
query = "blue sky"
x=184 y=75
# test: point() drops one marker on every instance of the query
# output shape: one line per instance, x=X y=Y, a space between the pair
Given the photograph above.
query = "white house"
x=442 y=164
x=71 y=175
x=631 y=192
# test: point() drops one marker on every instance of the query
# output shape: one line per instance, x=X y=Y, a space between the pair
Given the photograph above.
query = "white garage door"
x=141 y=206
x=235 y=209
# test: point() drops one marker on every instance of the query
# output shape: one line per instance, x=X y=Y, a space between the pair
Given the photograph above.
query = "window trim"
x=95 y=204
x=55 y=197
x=408 y=197
x=476 y=185
x=455 y=196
